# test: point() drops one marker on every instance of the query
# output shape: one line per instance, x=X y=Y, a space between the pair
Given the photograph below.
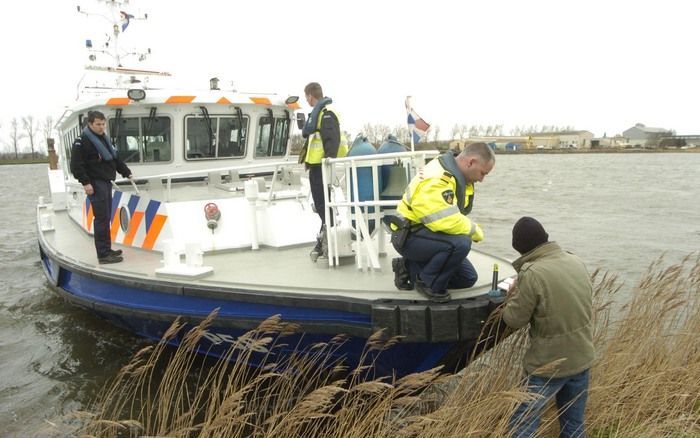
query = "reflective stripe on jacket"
x=431 y=199
x=315 y=152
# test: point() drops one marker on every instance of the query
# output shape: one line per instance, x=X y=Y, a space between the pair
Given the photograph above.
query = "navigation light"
x=136 y=94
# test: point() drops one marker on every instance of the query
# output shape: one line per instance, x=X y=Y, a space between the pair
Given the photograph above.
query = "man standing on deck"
x=553 y=294
x=94 y=163
x=323 y=140
x=440 y=234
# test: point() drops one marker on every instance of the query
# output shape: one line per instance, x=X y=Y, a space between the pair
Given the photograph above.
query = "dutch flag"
x=417 y=127
x=125 y=17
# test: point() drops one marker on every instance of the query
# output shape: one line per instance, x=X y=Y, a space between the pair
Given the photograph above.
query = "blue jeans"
x=571 y=394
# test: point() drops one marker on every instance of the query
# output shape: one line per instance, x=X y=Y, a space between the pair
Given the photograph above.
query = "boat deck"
x=287 y=270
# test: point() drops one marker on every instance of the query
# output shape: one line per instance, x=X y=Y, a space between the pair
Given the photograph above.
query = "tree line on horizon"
x=378 y=133
x=25 y=137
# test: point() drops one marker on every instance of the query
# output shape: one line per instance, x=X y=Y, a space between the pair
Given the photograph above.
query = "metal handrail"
x=219 y=169
x=170 y=175
x=411 y=160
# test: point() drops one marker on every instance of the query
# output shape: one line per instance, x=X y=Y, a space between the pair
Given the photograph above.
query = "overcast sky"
x=596 y=65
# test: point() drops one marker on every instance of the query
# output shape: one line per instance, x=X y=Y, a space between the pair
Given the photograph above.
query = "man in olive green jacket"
x=553 y=293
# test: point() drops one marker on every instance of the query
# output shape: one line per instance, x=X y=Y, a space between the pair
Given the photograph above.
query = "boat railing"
x=366 y=212
x=276 y=166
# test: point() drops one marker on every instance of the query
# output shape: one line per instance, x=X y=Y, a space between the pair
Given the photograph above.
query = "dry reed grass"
x=646 y=382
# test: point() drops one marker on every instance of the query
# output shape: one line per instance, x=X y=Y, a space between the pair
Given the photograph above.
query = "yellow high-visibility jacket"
x=315 y=152
x=439 y=198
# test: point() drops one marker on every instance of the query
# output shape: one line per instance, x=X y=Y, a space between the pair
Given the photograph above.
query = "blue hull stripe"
x=151 y=211
x=138 y=299
x=133 y=202
x=115 y=202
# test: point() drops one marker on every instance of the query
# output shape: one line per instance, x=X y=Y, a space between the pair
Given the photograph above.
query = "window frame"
x=216 y=124
x=276 y=120
x=140 y=137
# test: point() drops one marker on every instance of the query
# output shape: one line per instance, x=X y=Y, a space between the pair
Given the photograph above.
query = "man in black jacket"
x=322 y=134
x=94 y=163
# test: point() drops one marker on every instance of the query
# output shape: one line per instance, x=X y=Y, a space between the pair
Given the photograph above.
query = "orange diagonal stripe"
x=180 y=99
x=261 y=100
x=154 y=231
x=133 y=226
x=90 y=217
x=118 y=101
x=114 y=228
x=224 y=101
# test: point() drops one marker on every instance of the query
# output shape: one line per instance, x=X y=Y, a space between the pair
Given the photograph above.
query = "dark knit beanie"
x=528 y=234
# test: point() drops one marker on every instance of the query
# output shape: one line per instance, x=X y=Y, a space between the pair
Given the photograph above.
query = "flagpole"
x=410 y=131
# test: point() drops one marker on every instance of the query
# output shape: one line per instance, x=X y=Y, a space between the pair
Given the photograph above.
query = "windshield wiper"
x=207 y=120
x=272 y=133
x=117 y=119
x=149 y=125
x=286 y=131
x=239 y=116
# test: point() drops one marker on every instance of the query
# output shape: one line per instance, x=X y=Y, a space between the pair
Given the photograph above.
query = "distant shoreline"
x=599 y=151
x=498 y=151
x=26 y=161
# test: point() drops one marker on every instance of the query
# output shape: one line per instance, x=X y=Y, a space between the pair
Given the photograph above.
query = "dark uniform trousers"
x=316 y=186
x=101 y=201
x=439 y=259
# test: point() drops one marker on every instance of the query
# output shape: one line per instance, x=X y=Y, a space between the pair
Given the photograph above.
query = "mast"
x=108 y=55
x=118 y=14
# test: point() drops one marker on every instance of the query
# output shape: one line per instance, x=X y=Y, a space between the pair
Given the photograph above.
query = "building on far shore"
x=617 y=141
x=641 y=135
x=539 y=140
x=563 y=139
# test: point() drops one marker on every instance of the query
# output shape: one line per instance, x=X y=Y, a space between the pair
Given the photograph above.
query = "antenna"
x=117 y=14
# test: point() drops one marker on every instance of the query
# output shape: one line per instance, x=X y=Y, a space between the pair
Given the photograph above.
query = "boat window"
x=141 y=139
x=226 y=139
x=199 y=139
x=124 y=134
x=156 y=139
x=279 y=146
x=231 y=137
x=69 y=137
x=278 y=128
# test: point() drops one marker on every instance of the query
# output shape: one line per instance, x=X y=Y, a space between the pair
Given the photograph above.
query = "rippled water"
x=54 y=357
x=617 y=211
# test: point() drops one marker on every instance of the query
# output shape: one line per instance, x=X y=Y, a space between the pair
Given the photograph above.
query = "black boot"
x=316 y=252
x=324 y=244
x=402 y=279
x=321 y=247
x=440 y=297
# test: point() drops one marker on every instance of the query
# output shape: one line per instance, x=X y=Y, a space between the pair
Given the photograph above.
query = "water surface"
x=617 y=211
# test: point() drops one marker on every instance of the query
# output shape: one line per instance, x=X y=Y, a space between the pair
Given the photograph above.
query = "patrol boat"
x=220 y=217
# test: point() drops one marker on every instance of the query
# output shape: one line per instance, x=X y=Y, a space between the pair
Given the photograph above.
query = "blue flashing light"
x=88 y=44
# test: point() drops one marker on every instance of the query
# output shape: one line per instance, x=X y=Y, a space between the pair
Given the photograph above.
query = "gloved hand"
x=478 y=234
